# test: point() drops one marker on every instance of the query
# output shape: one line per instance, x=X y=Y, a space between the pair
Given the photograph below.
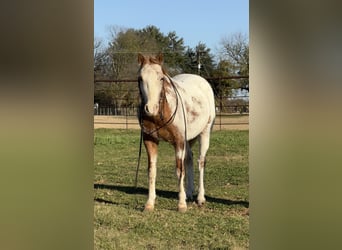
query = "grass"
x=119 y=222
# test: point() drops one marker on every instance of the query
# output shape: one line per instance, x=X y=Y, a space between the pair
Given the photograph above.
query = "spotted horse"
x=179 y=110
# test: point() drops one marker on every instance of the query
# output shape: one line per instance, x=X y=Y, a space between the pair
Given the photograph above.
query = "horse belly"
x=198 y=115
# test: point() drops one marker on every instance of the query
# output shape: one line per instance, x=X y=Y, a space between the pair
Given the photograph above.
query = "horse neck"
x=167 y=101
x=164 y=106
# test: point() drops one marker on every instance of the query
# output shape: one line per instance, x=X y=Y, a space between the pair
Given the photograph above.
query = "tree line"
x=118 y=60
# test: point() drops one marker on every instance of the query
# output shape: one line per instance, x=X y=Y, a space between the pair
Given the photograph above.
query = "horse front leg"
x=180 y=170
x=152 y=152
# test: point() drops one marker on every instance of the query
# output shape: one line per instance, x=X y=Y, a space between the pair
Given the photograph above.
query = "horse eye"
x=162 y=79
x=139 y=79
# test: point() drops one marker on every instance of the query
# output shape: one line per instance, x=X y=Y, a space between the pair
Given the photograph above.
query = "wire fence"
x=232 y=103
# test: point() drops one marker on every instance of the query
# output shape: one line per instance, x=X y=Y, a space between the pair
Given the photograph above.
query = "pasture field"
x=119 y=220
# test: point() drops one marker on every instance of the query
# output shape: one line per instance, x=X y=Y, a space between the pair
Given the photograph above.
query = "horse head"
x=151 y=79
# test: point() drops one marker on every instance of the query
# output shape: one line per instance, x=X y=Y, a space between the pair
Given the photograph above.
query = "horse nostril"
x=146 y=109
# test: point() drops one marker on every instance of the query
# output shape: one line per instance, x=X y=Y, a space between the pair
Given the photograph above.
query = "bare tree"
x=235 y=49
x=234 y=52
x=99 y=55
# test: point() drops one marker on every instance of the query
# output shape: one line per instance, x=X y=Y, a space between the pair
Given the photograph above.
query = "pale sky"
x=193 y=20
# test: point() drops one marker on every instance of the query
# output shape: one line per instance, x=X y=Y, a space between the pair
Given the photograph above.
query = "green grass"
x=119 y=222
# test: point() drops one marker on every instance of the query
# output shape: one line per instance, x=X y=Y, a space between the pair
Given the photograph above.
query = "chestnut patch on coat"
x=160 y=127
x=193 y=113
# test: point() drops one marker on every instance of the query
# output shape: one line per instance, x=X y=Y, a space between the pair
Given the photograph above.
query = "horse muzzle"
x=151 y=110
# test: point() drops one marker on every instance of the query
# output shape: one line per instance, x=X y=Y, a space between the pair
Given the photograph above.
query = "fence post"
x=126 y=118
x=221 y=106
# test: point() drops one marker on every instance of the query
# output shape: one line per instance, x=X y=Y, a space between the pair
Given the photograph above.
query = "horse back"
x=196 y=88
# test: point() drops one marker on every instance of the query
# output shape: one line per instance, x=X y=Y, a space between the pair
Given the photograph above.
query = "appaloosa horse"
x=177 y=110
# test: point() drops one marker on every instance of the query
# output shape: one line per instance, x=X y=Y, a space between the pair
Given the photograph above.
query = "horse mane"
x=150 y=59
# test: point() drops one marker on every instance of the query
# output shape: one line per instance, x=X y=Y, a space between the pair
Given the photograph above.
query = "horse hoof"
x=182 y=209
x=200 y=203
x=148 y=208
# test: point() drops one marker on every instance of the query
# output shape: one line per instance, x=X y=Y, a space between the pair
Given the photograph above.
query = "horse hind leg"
x=201 y=166
x=180 y=171
x=204 y=146
x=189 y=171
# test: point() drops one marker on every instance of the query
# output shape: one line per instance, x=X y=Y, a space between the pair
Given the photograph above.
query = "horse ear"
x=160 y=57
x=141 y=58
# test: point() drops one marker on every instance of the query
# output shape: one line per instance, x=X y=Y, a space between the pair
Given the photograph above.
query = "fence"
x=232 y=111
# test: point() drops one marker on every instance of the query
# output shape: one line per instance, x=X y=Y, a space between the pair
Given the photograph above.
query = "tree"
x=152 y=40
x=121 y=60
x=99 y=57
x=204 y=60
x=199 y=61
x=223 y=87
x=120 y=63
x=123 y=45
x=190 y=61
x=235 y=53
x=174 y=53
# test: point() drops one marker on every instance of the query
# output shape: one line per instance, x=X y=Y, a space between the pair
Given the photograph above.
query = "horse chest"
x=155 y=129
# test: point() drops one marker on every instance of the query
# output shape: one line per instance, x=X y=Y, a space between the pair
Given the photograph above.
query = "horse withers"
x=178 y=110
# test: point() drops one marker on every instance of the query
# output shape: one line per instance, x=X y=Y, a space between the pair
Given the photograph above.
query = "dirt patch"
x=224 y=122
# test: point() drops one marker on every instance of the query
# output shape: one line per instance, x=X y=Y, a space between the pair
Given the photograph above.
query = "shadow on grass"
x=106 y=201
x=161 y=193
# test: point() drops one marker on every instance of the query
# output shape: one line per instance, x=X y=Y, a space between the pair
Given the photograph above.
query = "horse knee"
x=201 y=162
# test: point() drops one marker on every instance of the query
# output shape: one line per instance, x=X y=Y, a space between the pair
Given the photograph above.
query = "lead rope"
x=181 y=100
x=140 y=146
x=184 y=118
x=138 y=165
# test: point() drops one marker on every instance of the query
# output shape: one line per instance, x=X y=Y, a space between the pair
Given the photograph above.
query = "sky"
x=193 y=20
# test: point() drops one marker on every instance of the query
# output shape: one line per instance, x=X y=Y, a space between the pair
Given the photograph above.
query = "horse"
x=178 y=110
